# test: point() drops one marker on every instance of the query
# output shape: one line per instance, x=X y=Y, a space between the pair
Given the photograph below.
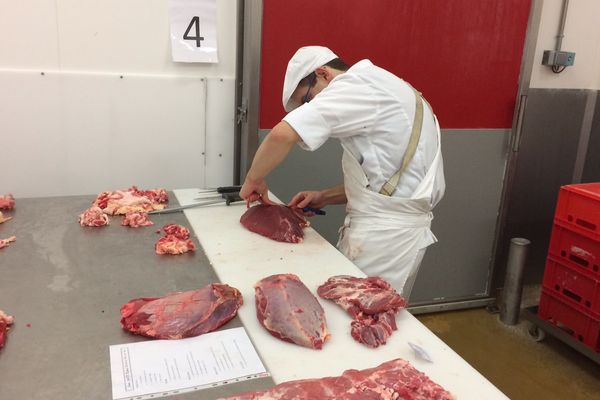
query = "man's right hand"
x=314 y=199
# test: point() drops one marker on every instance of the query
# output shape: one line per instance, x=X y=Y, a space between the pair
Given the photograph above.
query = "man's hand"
x=255 y=190
x=314 y=199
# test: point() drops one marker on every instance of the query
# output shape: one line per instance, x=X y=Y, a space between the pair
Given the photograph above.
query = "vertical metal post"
x=513 y=282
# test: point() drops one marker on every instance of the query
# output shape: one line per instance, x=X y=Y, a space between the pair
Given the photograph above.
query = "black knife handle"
x=229 y=189
x=231 y=198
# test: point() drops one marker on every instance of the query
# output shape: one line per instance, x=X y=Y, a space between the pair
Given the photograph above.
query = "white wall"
x=111 y=109
x=582 y=36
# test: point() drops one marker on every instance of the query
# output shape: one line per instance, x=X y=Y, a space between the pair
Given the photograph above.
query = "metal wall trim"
x=584 y=135
x=457 y=305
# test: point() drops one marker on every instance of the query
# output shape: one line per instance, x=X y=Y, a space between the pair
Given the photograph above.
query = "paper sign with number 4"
x=194 y=30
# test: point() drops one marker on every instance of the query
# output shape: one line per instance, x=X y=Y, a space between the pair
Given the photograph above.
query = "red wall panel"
x=464 y=55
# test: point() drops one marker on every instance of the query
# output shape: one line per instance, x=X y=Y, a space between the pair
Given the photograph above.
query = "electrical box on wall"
x=558 y=58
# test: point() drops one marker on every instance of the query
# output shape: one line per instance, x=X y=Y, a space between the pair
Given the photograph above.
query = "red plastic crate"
x=573 y=285
x=575 y=249
x=579 y=205
x=578 y=324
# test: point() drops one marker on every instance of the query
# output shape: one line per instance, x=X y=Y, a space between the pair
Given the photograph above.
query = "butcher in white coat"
x=392 y=162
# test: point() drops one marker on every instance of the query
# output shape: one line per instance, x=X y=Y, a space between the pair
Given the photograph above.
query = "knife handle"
x=228 y=189
x=231 y=198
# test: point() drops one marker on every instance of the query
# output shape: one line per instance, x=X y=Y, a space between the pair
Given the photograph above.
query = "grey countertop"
x=65 y=284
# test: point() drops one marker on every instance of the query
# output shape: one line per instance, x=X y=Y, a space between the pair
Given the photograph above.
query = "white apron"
x=387 y=236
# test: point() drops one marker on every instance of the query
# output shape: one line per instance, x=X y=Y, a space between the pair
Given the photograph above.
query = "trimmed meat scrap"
x=93 y=216
x=156 y=195
x=3 y=218
x=183 y=314
x=5 y=321
x=7 y=202
x=277 y=222
x=175 y=241
x=136 y=219
x=132 y=199
x=371 y=302
x=289 y=311
x=393 y=380
x=5 y=242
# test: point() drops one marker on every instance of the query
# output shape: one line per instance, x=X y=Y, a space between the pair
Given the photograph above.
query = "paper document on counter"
x=165 y=367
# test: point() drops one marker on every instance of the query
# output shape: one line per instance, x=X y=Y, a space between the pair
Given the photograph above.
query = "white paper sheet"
x=165 y=367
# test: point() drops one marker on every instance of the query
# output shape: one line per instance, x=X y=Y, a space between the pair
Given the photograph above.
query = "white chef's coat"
x=371 y=111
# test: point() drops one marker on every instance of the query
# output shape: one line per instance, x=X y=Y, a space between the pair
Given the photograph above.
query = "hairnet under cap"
x=306 y=60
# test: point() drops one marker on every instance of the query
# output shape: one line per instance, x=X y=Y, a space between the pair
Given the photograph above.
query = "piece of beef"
x=371 y=302
x=182 y=314
x=7 y=202
x=5 y=321
x=156 y=195
x=393 y=380
x=136 y=219
x=130 y=200
x=93 y=216
x=3 y=218
x=277 y=222
x=5 y=242
x=289 y=311
x=175 y=241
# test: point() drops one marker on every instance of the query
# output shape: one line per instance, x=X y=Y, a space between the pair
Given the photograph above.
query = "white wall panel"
x=69 y=134
x=28 y=34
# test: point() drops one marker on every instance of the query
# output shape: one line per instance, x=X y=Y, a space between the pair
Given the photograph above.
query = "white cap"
x=306 y=60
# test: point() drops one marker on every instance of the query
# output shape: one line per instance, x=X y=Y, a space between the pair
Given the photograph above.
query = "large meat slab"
x=289 y=311
x=184 y=314
x=277 y=222
x=392 y=380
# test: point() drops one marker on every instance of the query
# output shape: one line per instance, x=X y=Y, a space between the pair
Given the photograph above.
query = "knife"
x=222 y=189
x=228 y=199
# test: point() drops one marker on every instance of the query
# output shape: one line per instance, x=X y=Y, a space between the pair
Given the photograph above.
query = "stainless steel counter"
x=65 y=284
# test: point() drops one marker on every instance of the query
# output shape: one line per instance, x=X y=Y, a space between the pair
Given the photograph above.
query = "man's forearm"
x=272 y=151
x=335 y=195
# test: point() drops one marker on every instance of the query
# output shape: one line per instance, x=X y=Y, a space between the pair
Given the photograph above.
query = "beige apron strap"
x=390 y=186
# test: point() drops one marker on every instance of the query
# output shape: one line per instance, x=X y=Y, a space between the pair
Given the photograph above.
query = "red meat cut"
x=289 y=311
x=93 y=216
x=5 y=321
x=132 y=199
x=371 y=302
x=175 y=241
x=7 y=202
x=182 y=314
x=277 y=222
x=393 y=380
x=136 y=219
x=7 y=241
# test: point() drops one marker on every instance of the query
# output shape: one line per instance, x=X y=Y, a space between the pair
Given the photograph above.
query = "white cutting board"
x=241 y=258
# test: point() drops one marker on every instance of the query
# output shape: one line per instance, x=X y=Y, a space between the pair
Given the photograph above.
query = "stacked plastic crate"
x=571 y=288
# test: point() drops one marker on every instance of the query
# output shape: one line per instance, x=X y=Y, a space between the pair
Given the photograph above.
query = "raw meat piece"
x=182 y=314
x=7 y=202
x=136 y=219
x=289 y=311
x=277 y=222
x=3 y=218
x=5 y=242
x=393 y=380
x=93 y=216
x=132 y=199
x=5 y=321
x=175 y=241
x=372 y=302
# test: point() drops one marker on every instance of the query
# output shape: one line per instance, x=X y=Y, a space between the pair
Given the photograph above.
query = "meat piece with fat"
x=371 y=302
x=3 y=218
x=130 y=200
x=5 y=242
x=289 y=311
x=393 y=380
x=93 y=216
x=136 y=219
x=277 y=222
x=7 y=202
x=182 y=314
x=175 y=241
x=5 y=321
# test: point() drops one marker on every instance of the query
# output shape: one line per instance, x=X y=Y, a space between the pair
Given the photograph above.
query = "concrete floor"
x=509 y=358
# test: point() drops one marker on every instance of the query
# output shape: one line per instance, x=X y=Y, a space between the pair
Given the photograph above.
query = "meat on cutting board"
x=289 y=311
x=277 y=222
x=136 y=219
x=175 y=241
x=132 y=199
x=3 y=218
x=371 y=302
x=5 y=242
x=7 y=202
x=182 y=314
x=5 y=321
x=93 y=216
x=393 y=380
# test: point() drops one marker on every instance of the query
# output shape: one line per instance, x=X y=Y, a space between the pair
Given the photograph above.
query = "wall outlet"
x=559 y=58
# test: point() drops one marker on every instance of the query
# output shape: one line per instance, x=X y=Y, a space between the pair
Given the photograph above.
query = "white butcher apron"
x=387 y=236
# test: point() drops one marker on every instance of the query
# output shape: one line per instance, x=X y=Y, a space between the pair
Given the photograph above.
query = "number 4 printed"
x=195 y=22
